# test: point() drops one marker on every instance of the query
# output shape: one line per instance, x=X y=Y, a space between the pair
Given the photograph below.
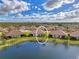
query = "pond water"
x=32 y=50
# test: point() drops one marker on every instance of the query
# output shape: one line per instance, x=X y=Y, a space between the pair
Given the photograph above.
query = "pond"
x=32 y=50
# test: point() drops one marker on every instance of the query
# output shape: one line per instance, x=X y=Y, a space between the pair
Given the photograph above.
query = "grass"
x=10 y=42
x=14 y=41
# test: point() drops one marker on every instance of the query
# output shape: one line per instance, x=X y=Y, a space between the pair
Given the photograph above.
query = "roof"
x=13 y=33
x=74 y=34
x=57 y=32
x=38 y=32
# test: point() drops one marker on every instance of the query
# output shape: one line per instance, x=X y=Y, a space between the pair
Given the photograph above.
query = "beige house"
x=57 y=34
x=74 y=35
x=12 y=34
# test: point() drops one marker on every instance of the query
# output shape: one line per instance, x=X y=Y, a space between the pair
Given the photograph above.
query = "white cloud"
x=18 y=15
x=13 y=6
x=39 y=8
x=69 y=16
x=76 y=5
x=36 y=7
x=53 y=4
x=68 y=1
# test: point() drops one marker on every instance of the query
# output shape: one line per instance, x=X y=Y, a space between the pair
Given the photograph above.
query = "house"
x=13 y=28
x=74 y=35
x=13 y=34
x=57 y=34
x=22 y=28
x=39 y=33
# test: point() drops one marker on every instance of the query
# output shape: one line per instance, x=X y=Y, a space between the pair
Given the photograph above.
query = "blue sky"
x=47 y=10
x=38 y=3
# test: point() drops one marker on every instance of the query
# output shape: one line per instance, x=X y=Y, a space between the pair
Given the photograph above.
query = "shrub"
x=27 y=33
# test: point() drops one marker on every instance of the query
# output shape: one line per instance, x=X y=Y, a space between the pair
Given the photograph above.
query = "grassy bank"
x=10 y=42
x=14 y=41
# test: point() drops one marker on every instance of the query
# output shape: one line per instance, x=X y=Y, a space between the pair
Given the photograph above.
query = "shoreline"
x=15 y=41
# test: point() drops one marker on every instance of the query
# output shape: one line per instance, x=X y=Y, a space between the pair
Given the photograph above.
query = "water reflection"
x=32 y=50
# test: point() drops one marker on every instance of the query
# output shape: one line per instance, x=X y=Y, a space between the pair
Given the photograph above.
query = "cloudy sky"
x=39 y=10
